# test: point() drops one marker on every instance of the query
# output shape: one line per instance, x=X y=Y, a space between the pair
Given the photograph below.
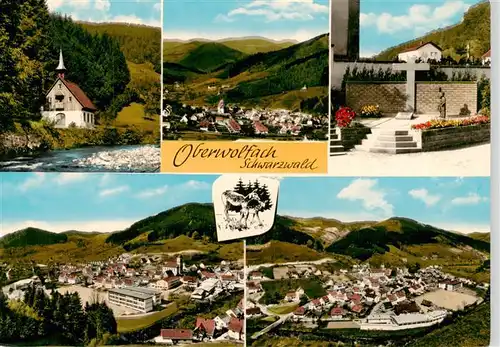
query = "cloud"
x=55 y=4
x=277 y=10
x=104 y=226
x=102 y=5
x=470 y=199
x=367 y=53
x=424 y=195
x=366 y=191
x=98 y=11
x=132 y=19
x=68 y=178
x=113 y=191
x=150 y=193
x=420 y=18
x=198 y=185
x=36 y=180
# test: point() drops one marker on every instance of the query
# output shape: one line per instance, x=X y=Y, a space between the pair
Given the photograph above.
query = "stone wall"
x=449 y=138
x=461 y=97
x=389 y=96
x=339 y=67
x=353 y=136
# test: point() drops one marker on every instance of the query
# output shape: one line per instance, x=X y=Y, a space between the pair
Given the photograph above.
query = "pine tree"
x=23 y=52
x=240 y=187
x=265 y=197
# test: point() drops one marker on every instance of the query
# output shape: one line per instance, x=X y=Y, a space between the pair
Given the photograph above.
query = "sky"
x=146 y=12
x=109 y=202
x=386 y=23
x=298 y=20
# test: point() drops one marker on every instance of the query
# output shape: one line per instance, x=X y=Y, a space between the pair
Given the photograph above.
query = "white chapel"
x=66 y=104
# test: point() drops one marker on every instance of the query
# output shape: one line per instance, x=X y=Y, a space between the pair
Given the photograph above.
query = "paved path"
x=471 y=161
x=271 y=326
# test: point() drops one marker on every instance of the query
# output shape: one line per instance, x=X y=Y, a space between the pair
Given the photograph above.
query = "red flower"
x=344 y=116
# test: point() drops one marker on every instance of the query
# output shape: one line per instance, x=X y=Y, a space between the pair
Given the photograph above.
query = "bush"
x=371 y=111
x=344 y=116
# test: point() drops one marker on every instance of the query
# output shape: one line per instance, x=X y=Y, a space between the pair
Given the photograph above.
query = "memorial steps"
x=336 y=146
x=391 y=142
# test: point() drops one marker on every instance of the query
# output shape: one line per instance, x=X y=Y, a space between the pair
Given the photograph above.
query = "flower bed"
x=344 y=116
x=443 y=123
x=371 y=111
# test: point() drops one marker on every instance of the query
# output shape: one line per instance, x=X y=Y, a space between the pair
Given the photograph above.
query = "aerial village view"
x=410 y=88
x=66 y=106
x=377 y=262
x=245 y=70
x=134 y=266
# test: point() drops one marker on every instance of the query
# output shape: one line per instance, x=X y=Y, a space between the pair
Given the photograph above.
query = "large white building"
x=136 y=298
x=423 y=52
x=66 y=104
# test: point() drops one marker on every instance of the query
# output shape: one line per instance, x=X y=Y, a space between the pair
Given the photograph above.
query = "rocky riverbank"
x=14 y=145
x=143 y=159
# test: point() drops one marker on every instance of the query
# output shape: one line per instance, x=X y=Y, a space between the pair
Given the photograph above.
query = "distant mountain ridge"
x=194 y=221
x=257 y=76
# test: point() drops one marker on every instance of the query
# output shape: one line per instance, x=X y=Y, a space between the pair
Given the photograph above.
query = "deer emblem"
x=231 y=198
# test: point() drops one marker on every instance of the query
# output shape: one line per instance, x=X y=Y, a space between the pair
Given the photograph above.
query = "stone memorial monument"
x=344 y=29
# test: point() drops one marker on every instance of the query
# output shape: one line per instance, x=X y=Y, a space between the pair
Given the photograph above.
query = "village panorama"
x=321 y=299
x=203 y=303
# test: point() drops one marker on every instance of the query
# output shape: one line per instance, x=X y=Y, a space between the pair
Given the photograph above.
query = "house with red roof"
x=337 y=313
x=205 y=327
x=357 y=308
x=235 y=328
x=423 y=51
x=486 y=58
x=260 y=129
x=67 y=104
x=300 y=311
x=171 y=336
x=233 y=126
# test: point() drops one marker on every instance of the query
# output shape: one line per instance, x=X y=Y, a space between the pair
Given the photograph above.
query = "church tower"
x=61 y=69
x=179 y=264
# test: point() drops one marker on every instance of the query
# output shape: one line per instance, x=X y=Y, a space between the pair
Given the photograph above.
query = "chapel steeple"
x=61 y=69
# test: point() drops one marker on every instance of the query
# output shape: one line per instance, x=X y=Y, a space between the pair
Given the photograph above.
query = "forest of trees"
x=56 y=317
x=139 y=43
x=30 y=41
x=255 y=186
x=474 y=31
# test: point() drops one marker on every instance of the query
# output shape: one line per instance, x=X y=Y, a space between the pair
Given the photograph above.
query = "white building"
x=66 y=104
x=423 y=51
x=136 y=298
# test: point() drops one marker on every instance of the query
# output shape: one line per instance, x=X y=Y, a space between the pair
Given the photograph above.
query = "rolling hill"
x=175 y=51
x=192 y=227
x=273 y=78
x=210 y=56
x=402 y=234
x=473 y=30
x=31 y=237
x=139 y=43
x=253 y=45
